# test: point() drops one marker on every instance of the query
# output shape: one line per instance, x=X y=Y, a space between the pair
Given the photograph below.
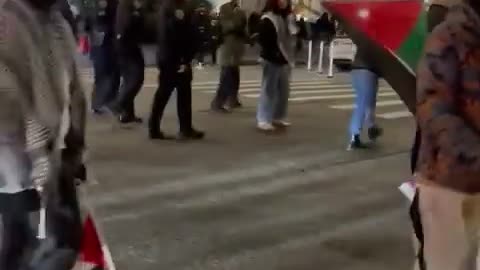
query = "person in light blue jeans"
x=275 y=36
x=365 y=84
x=273 y=103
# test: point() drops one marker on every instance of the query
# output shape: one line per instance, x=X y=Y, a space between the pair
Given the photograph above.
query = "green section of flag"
x=412 y=48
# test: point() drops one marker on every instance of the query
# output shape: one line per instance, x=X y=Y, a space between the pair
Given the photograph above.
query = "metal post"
x=310 y=49
x=331 y=55
x=320 y=57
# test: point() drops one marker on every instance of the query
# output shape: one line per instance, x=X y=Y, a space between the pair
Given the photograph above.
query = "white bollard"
x=330 y=64
x=310 y=50
x=320 y=57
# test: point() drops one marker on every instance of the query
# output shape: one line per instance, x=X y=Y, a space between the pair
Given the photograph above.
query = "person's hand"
x=182 y=69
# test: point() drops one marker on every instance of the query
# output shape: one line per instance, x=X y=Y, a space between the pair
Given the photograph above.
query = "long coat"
x=233 y=22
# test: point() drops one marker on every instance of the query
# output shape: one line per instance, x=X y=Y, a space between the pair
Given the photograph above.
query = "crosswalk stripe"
x=395 y=115
x=312 y=84
x=301 y=92
x=327 y=97
x=382 y=103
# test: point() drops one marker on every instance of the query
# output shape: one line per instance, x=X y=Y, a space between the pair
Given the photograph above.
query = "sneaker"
x=222 y=109
x=158 y=135
x=264 y=126
x=356 y=143
x=281 y=123
x=374 y=133
x=129 y=119
x=191 y=135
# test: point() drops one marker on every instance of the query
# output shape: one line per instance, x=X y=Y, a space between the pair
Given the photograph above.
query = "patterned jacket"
x=448 y=102
x=42 y=105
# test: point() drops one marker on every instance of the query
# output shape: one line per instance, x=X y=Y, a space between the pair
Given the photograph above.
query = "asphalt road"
x=242 y=200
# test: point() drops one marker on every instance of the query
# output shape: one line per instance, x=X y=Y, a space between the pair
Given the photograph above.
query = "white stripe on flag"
x=379 y=104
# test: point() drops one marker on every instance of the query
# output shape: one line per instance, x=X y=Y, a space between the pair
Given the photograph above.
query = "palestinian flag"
x=94 y=253
x=392 y=32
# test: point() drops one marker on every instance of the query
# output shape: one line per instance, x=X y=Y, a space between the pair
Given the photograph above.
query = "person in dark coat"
x=177 y=45
x=130 y=23
x=233 y=21
x=100 y=27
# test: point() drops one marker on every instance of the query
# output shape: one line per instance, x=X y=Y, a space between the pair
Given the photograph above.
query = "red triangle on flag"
x=91 y=250
x=387 y=22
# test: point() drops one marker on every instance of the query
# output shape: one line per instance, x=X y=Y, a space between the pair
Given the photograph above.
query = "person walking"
x=130 y=24
x=100 y=26
x=448 y=115
x=275 y=40
x=233 y=21
x=177 y=45
x=365 y=84
x=42 y=127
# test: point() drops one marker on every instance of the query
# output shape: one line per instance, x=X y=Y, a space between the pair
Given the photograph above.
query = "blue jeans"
x=365 y=85
x=107 y=75
x=274 y=94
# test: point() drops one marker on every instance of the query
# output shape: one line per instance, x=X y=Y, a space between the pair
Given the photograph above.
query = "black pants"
x=19 y=248
x=132 y=67
x=169 y=80
x=107 y=75
x=228 y=87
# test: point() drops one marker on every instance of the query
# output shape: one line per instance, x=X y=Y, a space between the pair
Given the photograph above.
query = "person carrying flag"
x=448 y=169
x=42 y=126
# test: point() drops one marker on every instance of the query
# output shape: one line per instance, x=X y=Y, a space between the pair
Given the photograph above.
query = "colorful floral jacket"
x=448 y=102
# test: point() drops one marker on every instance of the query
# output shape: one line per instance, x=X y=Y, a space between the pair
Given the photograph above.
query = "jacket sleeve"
x=17 y=125
x=438 y=83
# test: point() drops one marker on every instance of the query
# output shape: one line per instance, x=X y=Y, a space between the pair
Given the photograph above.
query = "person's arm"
x=19 y=124
x=438 y=84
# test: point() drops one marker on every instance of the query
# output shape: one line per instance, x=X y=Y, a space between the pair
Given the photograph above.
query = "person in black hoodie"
x=177 y=45
x=275 y=40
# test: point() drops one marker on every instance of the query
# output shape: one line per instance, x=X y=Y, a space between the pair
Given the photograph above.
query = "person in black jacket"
x=130 y=24
x=275 y=40
x=100 y=26
x=177 y=45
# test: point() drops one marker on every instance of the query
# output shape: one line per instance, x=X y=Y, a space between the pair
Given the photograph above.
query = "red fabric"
x=91 y=251
x=389 y=23
x=84 y=45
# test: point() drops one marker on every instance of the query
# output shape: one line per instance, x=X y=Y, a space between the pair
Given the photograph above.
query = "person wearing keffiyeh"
x=42 y=123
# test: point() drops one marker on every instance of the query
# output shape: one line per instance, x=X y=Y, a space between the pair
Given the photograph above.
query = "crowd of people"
x=183 y=32
x=42 y=112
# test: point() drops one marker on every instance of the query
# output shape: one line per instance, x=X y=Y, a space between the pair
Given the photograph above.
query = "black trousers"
x=132 y=67
x=169 y=80
x=228 y=87
x=107 y=75
x=19 y=247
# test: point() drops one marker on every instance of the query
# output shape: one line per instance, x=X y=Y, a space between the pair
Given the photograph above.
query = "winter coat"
x=233 y=22
x=177 y=35
x=448 y=103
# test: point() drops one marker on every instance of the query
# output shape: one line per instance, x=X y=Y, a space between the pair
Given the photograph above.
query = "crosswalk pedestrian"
x=336 y=95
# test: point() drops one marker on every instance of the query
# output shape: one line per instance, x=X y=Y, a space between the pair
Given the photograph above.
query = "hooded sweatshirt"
x=448 y=102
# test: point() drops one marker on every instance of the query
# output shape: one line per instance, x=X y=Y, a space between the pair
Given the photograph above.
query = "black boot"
x=374 y=133
x=190 y=135
x=356 y=143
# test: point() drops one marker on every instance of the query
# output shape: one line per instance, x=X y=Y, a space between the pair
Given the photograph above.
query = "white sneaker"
x=264 y=126
x=281 y=123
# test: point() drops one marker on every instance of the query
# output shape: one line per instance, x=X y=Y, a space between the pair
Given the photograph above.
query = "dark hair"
x=273 y=6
